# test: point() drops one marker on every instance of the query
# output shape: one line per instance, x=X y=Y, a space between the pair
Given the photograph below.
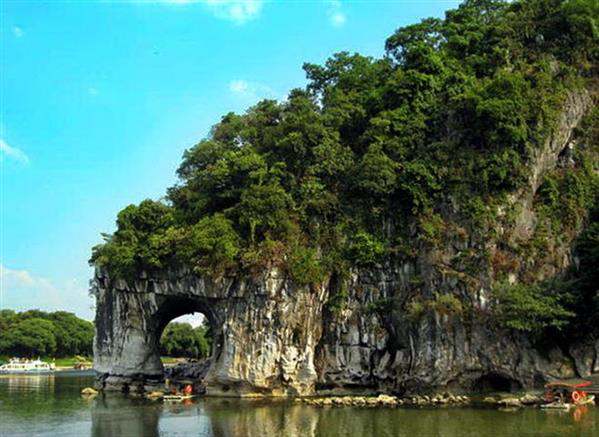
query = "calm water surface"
x=52 y=406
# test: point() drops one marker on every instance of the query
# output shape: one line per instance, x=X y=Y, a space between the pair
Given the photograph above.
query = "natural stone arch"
x=265 y=330
x=180 y=305
x=130 y=320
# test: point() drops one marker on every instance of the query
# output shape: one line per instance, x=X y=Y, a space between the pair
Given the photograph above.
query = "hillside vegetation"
x=376 y=159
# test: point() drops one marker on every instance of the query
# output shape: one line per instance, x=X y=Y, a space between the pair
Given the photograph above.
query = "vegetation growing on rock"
x=386 y=159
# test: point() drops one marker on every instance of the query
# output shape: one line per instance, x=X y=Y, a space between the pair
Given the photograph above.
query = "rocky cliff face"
x=274 y=338
x=384 y=351
x=374 y=342
x=265 y=331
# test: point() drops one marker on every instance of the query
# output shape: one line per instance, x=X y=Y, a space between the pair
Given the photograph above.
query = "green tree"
x=212 y=244
x=60 y=334
x=30 y=337
x=181 y=340
x=74 y=336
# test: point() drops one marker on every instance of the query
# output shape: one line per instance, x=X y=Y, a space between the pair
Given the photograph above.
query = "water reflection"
x=259 y=418
x=214 y=417
x=116 y=416
x=48 y=406
x=16 y=383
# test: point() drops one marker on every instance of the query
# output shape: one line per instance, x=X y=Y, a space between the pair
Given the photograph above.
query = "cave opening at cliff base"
x=495 y=382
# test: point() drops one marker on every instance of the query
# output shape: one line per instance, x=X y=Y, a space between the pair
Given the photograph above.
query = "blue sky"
x=99 y=99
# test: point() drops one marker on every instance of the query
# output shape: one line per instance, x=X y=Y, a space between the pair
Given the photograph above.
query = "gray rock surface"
x=265 y=331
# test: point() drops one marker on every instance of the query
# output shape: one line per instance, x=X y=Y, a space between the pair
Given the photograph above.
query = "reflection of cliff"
x=118 y=416
x=256 y=418
x=245 y=418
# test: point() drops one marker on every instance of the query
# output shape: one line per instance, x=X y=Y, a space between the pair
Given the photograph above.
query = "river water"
x=52 y=406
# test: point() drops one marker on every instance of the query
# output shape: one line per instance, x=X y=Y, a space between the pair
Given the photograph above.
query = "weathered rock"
x=88 y=391
x=585 y=356
x=386 y=400
x=265 y=330
x=510 y=402
x=531 y=399
x=490 y=400
x=360 y=401
x=188 y=370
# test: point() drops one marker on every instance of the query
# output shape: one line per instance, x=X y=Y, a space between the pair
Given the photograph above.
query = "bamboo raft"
x=177 y=398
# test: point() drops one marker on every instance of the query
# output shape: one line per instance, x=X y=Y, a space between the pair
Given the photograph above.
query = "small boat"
x=177 y=398
x=18 y=366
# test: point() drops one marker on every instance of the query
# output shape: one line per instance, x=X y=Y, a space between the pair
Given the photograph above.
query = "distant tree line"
x=182 y=340
x=38 y=333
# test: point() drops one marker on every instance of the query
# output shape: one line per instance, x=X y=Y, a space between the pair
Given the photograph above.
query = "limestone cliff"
x=265 y=331
x=272 y=337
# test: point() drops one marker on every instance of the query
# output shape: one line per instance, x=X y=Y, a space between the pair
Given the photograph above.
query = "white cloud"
x=17 y=31
x=336 y=16
x=338 y=19
x=251 y=90
x=21 y=290
x=194 y=319
x=12 y=152
x=20 y=284
x=15 y=278
x=93 y=91
x=238 y=86
x=238 y=11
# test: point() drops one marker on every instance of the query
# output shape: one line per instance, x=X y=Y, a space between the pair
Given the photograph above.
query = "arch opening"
x=187 y=339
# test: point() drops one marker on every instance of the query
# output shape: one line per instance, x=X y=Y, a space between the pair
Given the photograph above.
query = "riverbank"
x=496 y=400
x=446 y=399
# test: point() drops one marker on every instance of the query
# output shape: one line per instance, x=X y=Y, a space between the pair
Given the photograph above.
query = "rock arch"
x=265 y=331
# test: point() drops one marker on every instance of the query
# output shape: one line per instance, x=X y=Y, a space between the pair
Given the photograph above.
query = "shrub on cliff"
x=532 y=308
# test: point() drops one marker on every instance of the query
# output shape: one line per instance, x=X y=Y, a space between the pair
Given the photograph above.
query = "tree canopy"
x=38 y=333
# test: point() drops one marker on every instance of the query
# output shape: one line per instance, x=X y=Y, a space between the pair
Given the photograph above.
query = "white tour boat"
x=19 y=366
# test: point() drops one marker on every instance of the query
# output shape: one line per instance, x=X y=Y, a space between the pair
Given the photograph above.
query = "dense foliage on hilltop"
x=370 y=156
x=37 y=333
